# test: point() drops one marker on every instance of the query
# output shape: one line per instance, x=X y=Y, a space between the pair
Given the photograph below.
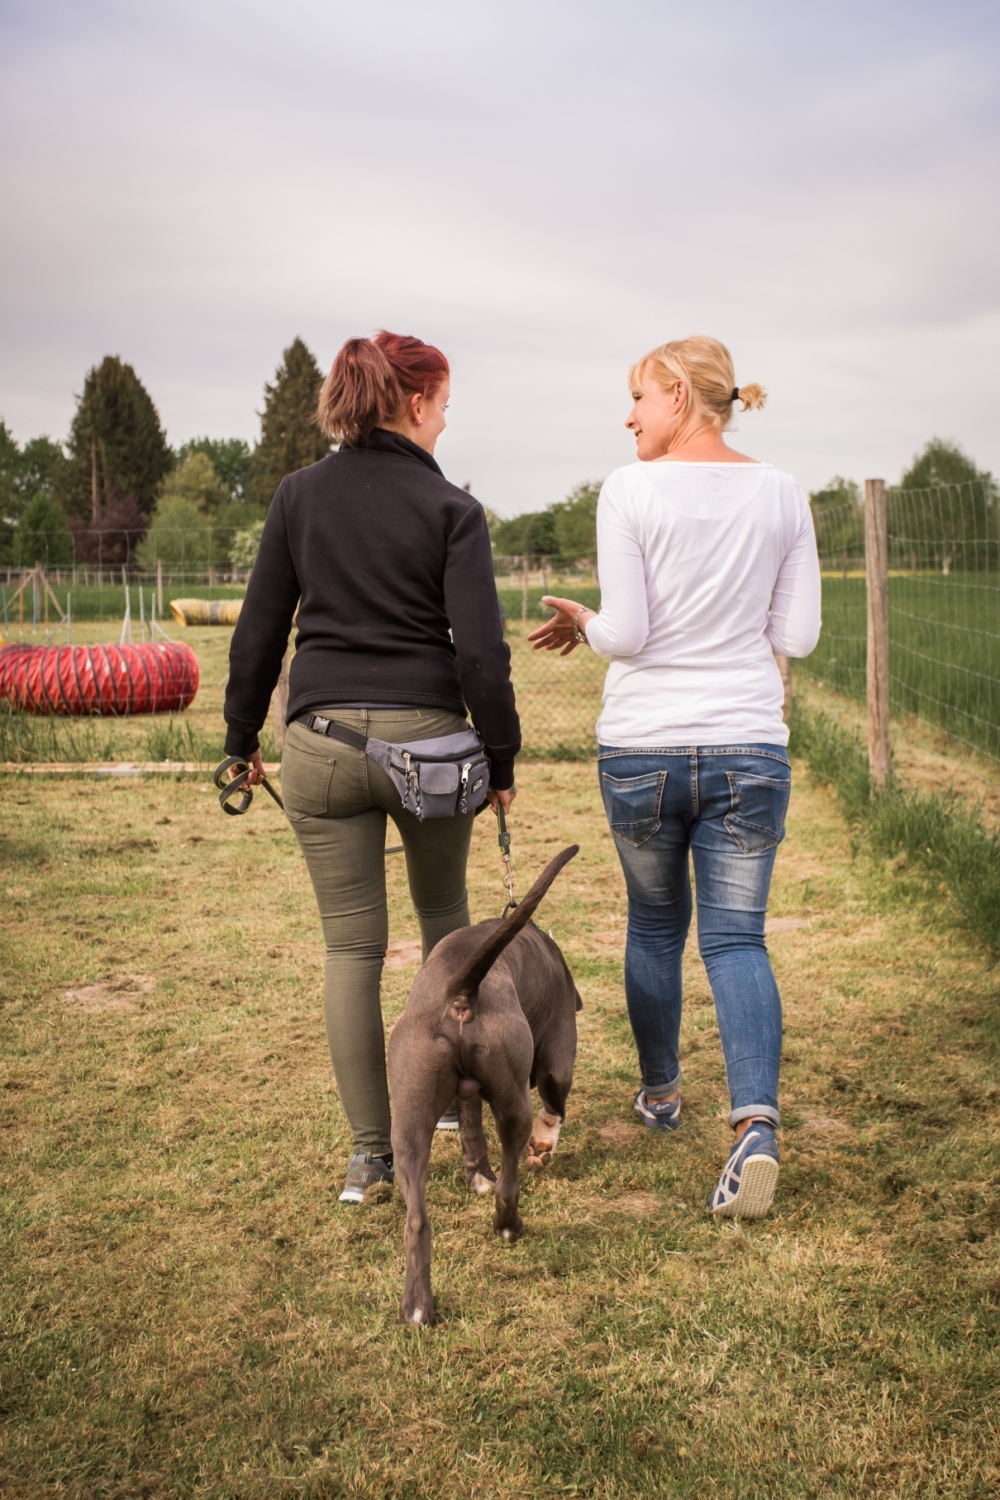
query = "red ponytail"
x=371 y=380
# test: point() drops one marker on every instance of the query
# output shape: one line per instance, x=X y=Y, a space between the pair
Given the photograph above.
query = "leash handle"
x=503 y=839
x=229 y=789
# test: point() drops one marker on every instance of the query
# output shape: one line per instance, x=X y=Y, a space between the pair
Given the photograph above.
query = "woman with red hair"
x=399 y=638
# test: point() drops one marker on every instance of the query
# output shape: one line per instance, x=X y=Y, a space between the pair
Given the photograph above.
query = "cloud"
x=544 y=189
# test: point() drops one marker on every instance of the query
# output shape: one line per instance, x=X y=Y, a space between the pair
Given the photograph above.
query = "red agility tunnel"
x=115 y=680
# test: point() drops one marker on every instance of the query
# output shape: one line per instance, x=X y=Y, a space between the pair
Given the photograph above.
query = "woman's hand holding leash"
x=256 y=775
x=503 y=798
x=566 y=627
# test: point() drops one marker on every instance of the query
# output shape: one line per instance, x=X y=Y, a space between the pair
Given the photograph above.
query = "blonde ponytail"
x=752 y=397
x=706 y=367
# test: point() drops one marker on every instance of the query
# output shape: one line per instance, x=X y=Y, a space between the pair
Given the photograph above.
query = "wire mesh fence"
x=558 y=698
x=944 y=609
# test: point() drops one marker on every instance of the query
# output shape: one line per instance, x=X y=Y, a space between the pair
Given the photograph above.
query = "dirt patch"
x=402 y=955
x=633 y=1205
x=618 y=1133
x=827 y=1125
x=114 y=994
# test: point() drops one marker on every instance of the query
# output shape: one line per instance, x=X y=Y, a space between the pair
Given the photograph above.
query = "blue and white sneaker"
x=666 y=1115
x=746 y=1188
x=363 y=1172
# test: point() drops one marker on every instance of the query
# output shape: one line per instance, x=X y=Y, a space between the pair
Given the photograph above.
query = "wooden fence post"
x=877 y=581
x=159 y=587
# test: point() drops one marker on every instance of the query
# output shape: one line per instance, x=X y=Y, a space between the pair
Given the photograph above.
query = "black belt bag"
x=434 y=778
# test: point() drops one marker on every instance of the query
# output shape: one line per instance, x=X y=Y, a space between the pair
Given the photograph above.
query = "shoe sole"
x=446 y=1125
x=756 y=1192
x=352 y=1195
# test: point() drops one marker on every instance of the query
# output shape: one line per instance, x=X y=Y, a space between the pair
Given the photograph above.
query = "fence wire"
x=944 y=609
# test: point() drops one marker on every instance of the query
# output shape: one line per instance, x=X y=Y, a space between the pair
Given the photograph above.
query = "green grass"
x=937 y=834
x=944 y=650
x=90 y=602
x=186 y=1310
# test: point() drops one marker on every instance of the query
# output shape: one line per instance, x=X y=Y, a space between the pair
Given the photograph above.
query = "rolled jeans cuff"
x=754 y=1112
x=662 y=1089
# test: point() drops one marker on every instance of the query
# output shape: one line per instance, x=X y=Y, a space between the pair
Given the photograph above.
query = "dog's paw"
x=510 y=1232
x=544 y=1139
x=416 y=1315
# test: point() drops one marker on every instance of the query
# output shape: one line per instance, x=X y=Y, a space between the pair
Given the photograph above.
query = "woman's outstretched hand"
x=558 y=632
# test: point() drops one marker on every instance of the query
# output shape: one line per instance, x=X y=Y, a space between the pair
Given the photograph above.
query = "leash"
x=228 y=789
x=503 y=839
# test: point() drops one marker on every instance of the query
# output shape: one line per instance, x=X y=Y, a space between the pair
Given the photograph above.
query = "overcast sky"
x=543 y=189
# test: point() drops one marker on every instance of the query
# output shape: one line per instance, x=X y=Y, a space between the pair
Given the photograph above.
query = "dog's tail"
x=467 y=981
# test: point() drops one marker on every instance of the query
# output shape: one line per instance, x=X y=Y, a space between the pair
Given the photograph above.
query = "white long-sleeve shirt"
x=706 y=571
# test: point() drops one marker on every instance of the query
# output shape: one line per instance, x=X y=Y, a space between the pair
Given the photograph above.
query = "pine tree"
x=289 y=435
x=117 y=448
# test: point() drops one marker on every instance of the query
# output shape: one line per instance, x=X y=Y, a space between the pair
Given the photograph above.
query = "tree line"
x=116 y=492
x=944 y=515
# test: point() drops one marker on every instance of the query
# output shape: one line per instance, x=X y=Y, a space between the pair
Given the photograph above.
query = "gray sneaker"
x=364 y=1172
x=449 y=1120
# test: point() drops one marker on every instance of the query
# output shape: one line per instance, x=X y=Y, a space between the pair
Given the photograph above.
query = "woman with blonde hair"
x=708 y=567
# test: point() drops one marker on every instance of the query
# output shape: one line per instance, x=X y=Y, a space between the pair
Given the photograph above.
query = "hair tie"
x=736 y=393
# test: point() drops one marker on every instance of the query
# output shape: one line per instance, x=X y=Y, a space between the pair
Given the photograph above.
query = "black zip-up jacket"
x=383 y=558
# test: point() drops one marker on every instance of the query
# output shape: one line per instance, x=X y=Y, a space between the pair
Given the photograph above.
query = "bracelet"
x=578 y=634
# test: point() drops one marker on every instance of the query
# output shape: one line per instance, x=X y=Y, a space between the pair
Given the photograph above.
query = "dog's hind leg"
x=479 y=1175
x=554 y=1078
x=513 y=1127
x=412 y=1152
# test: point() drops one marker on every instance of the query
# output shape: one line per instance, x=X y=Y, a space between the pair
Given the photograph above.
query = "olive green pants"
x=337 y=801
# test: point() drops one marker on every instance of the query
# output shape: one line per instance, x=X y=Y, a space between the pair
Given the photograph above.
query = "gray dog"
x=491 y=1014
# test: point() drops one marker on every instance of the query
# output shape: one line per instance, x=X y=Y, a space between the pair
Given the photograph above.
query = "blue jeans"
x=726 y=804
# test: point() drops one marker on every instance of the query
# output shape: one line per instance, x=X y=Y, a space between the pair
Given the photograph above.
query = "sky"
x=544 y=190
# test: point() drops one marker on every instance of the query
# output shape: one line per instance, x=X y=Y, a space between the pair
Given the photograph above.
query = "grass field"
x=944 y=650
x=187 y=1311
x=90 y=601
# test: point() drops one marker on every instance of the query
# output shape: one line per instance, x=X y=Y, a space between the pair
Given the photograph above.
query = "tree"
x=289 y=434
x=196 y=481
x=943 y=463
x=117 y=447
x=531 y=535
x=179 y=537
x=567 y=528
x=839 y=519
x=576 y=523
x=25 y=474
x=230 y=458
x=943 y=514
x=245 y=545
x=43 y=535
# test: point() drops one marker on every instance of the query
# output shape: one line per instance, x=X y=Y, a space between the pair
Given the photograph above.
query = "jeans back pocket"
x=632 y=804
x=759 y=805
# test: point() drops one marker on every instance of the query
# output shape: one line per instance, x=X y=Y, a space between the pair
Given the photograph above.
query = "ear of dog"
x=467 y=981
